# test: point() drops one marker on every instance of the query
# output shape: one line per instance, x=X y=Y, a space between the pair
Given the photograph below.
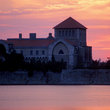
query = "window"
x=21 y=51
x=63 y=33
x=73 y=32
x=69 y=32
x=43 y=52
x=61 y=52
x=66 y=32
x=37 y=52
x=59 y=33
x=31 y=52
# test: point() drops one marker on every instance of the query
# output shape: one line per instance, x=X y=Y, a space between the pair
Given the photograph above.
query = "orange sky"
x=41 y=16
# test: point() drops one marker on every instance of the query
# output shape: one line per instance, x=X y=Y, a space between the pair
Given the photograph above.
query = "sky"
x=40 y=16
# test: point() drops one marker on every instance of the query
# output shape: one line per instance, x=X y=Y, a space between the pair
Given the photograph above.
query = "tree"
x=108 y=63
x=2 y=50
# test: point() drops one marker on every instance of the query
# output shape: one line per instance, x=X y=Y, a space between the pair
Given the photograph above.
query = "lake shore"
x=66 y=77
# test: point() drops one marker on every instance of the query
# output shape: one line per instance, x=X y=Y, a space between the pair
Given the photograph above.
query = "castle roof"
x=35 y=43
x=31 y=43
x=69 y=23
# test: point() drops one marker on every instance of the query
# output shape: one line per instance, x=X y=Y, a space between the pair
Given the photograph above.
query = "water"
x=54 y=97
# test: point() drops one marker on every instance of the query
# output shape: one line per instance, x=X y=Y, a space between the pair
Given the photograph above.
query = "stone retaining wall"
x=76 y=76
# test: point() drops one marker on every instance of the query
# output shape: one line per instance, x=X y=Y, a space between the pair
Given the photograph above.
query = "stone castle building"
x=68 y=43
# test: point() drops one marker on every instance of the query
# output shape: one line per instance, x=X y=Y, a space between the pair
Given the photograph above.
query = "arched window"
x=61 y=52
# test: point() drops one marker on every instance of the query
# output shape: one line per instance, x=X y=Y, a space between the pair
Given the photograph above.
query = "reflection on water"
x=54 y=97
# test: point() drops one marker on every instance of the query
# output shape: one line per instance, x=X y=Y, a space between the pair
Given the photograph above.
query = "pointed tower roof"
x=69 y=23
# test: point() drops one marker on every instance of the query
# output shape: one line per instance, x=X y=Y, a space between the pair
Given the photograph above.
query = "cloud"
x=59 y=6
x=101 y=43
x=15 y=12
x=102 y=48
x=6 y=5
x=99 y=26
x=81 y=9
x=6 y=25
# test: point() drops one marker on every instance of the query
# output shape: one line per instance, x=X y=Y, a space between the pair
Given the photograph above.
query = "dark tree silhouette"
x=2 y=50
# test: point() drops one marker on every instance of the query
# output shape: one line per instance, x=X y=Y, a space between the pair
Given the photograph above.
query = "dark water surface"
x=54 y=97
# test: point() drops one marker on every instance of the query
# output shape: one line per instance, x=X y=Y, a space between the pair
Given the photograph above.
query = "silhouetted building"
x=68 y=44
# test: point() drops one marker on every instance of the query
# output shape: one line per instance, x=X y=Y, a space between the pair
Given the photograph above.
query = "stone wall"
x=27 y=51
x=76 y=76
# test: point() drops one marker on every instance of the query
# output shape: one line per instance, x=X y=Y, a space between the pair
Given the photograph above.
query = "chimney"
x=50 y=36
x=20 y=35
x=33 y=36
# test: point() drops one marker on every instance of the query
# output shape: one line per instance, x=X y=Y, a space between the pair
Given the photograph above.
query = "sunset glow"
x=40 y=16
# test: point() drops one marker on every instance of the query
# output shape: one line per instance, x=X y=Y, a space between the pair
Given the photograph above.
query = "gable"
x=69 y=23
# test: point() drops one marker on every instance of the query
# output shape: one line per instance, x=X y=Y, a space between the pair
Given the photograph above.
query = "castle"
x=68 y=43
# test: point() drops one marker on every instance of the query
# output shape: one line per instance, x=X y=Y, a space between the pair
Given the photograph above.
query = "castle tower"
x=72 y=30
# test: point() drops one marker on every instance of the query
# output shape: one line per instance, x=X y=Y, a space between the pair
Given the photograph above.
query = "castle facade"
x=68 y=44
